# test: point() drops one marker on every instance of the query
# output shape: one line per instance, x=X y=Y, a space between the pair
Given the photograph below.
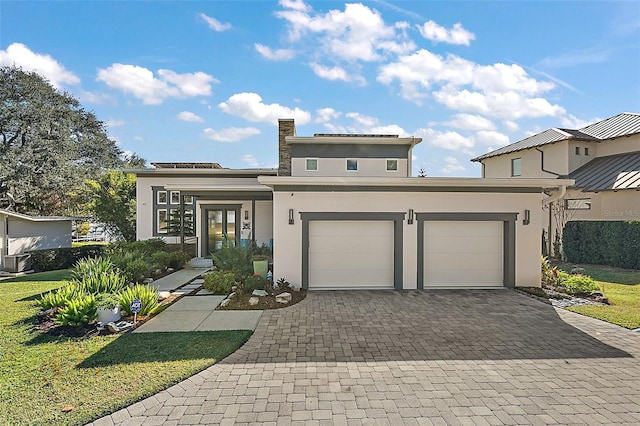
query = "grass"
x=621 y=287
x=40 y=375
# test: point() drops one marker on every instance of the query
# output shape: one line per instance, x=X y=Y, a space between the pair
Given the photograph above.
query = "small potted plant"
x=108 y=308
x=260 y=264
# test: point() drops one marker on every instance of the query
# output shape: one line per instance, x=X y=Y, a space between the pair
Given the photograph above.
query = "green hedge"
x=62 y=258
x=613 y=243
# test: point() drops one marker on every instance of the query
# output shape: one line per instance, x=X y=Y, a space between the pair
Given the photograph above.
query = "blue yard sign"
x=136 y=306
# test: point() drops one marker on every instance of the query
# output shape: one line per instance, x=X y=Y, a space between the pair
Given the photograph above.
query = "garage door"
x=463 y=254
x=350 y=254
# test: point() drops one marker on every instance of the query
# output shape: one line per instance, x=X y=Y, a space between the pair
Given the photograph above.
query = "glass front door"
x=221 y=224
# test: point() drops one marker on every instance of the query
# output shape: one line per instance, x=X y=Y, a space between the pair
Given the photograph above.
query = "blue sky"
x=206 y=81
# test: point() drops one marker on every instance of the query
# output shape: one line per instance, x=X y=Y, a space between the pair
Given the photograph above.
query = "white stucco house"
x=602 y=158
x=343 y=212
x=20 y=234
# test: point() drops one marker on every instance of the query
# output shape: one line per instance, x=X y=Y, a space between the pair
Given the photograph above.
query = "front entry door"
x=221 y=223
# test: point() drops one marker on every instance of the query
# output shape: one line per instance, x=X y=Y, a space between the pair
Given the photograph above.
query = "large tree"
x=49 y=145
x=113 y=202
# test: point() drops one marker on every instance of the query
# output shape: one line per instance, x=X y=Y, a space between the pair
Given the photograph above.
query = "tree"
x=49 y=145
x=113 y=202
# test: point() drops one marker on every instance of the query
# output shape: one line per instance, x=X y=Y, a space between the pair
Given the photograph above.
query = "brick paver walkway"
x=415 y=357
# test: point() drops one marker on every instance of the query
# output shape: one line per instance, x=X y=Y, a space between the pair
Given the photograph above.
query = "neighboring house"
x=20 y=233
x=603 y=159
x=344 y=213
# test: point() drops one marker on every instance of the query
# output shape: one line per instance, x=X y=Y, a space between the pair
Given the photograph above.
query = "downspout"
x=542 y=163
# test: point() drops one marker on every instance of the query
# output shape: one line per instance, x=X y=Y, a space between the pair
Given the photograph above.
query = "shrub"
x=177 y=259
x=62 y=258
x=107 y=301
x=576 y=284
x=133 y=266
x=232 y=257
x=547 y=271
x=147 y=295
x=559 y=277
x=255 y=282
x=220 y=282
x=78 y=312
x=58 y=298
x=147 y=247
x=160 y=260
x=613 y=243
x=95 y=275
x=283 y=284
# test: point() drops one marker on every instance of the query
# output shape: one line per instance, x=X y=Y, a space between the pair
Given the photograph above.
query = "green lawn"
x=40 y=375
x=622 y=288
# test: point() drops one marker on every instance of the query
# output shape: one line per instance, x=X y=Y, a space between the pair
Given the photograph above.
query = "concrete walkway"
x=197 y=313
x=472 y=357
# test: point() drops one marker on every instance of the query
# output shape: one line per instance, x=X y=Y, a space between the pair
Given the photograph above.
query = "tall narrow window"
x=162 y=197
x=516 y=167
x=586 y=151
x=311 y=164
x=352 y=165
x=163 y=221
x=577 y=150
x=392 y=165
x=175 y=197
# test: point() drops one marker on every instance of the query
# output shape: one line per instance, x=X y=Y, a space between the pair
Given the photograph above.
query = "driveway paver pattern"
x=458 y=357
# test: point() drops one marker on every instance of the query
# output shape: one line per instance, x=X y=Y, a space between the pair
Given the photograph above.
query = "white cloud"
x=189 y=116
x=356 y=34
x=250 y=160
x=452 y=165
x=138 y=138
x=214 y=24
x=491 y=138
x=447 y=140
x=365 y=124
x=324 y=115
x=250 y=107
x=274 y=55
x=570 y=121
x=20 y=55
x=439 y=34
x=142 y=84
x=329 y=73
x=230 y=134
x=112 y=122
x=470 y=122
x=511 y=126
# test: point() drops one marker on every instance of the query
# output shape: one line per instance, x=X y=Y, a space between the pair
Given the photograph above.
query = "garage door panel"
x=350 y=254
x=463 y=254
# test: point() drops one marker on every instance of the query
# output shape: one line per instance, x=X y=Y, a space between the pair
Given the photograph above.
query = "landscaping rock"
x=164 y=295
x=225 y=302
x=197 y=281
x=232 y=295
x=170 y=270
x=259 y=293
x=234 y=288
x=157 y=272
x=576 y=270
x=283 y=298
x=148 y=280
x=253 y=301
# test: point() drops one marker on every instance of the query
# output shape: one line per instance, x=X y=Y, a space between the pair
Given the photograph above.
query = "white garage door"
x=463 y=254
x=350 y=254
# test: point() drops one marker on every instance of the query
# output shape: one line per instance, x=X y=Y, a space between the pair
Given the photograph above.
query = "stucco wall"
x=556 y=159
x=619 y=145
x=26 y=235
x=338 y=167
x=288 y=238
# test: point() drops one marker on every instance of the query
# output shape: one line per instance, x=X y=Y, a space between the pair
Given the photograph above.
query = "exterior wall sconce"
x=410 y=218
x=527 y=217
x=246 y=215
x=290 y=216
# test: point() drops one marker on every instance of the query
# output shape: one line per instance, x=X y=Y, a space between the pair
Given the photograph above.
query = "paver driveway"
x=413 y=357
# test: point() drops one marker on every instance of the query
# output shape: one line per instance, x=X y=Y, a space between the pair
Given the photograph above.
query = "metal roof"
x=187 y=165
x=30 y=218
x=624 y=124
x=613 y=172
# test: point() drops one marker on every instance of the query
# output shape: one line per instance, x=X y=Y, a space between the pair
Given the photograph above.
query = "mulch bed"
x=241 y=302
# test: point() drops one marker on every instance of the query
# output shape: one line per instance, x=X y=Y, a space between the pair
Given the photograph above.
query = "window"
x=163 y=221
x=577 y=150
x=352 y=165
x=578 y=204
x=586 y=151
x=188 y=199
x=175 y=197
x=516 y=167
x=392 y=165
x=162 y=197
x=311 y=164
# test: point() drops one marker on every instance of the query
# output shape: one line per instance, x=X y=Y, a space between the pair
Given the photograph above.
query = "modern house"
x=603 y=159
x=21 y=233
x=343 y=212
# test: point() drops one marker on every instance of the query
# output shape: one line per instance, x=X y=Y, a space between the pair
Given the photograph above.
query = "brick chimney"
x=286 y=127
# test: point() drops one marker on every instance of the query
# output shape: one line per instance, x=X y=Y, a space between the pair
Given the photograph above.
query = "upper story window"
x=577 y=150
x=175 y=197
x=311 y=164
x=586 y=151
x=352 y=165
x=162 y=197
x=188 y=199
x=392 y=165
x=516 y=167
